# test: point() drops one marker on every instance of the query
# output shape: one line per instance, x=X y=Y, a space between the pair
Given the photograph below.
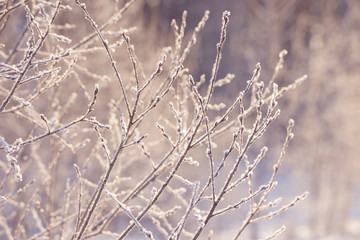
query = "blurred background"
x=323 y=41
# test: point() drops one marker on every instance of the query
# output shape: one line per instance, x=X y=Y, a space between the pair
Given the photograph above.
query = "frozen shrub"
x=97 y=142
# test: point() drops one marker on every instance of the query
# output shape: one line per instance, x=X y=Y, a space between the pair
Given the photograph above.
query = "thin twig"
x=29 y=61
x=105 y=43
